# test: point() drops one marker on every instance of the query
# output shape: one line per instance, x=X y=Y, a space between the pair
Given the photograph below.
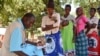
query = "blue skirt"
x=54 y=46
x=81 y=44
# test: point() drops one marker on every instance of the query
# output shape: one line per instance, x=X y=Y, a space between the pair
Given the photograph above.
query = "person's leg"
x=50 y=48
x=81 y=45
x=59 y=47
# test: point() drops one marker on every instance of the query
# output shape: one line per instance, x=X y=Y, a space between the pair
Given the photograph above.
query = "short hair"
x=68 y=6
x=29 y=15
x=50 y=4
x=93 y=9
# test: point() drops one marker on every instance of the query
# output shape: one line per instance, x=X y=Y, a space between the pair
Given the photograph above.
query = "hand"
x=65 y=22
x=93 y=25
x=49 y=26
x=54 y=19
x=41 y=41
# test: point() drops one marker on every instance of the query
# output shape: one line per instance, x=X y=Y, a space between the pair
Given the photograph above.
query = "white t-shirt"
x=47 y=21
x=93 y=20
x=69 y=18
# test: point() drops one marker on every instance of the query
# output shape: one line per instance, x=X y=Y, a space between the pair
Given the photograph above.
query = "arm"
x=54 y=18
x=33 y=43
x=73 y=19
x=16 y=41
x=65 y=23
x=44 y=26
x=57 y=23
x=88 y=27
x=74 y=28
x=74 y=33
x=98 y=25
x=48 y=27
x=93 y=25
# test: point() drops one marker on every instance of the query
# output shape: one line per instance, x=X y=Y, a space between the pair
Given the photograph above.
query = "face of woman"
x=67 y=10
x=79 y=11
x=92 y=12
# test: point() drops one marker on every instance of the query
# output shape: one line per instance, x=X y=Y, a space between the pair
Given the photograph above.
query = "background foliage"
x=10 y=10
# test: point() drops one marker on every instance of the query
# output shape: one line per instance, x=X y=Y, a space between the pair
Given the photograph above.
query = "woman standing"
x=50 y=25
x=98 y=10
x=67 y=32
x=93 y=21
x=92 y=34
x=81 y=43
